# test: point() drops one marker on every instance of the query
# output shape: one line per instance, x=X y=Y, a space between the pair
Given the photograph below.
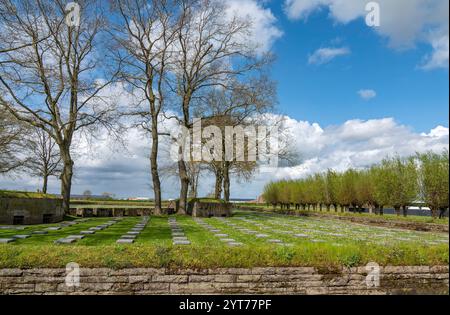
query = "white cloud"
x=439 y=57
x=403 y=22
x=356 y=143
x=264 y=24
x=367 y=94
x=325 y=55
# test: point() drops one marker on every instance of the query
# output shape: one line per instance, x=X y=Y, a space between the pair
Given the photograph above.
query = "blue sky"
x=327 y=93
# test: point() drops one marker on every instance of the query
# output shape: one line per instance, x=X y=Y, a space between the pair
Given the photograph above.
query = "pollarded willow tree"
x=434 y=185
x=54 y=77
x=346 y=193
x=394 y=182
x=402 y=181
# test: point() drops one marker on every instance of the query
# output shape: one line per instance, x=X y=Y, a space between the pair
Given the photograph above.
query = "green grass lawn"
x=391 y=217
x=324 y=244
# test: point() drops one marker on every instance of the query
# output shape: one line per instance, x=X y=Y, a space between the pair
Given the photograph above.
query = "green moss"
x=26 y=194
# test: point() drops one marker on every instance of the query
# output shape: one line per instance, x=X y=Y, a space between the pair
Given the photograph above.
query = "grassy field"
x=391 y=217
x=302 y=242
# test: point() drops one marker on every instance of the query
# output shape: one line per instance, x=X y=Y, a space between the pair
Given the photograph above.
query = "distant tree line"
x=395 y=182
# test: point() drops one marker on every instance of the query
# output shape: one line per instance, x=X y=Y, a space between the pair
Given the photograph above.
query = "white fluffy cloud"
x=367 y=94
x=403 y=22
x=439 y=56
x=325 y=55
x=356 y=143
x=264 y=24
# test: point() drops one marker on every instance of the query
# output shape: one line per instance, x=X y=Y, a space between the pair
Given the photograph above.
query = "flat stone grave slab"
x=300 y=235
x=40 y=232
x=125 y=241
x=6 y=240
x=181 y=242
x=65 y=241
x=87 y=232
x=178 y=234
x=21 y=236
x=133 y=233
x=221 y=235
x=214 y=231
x=275 y=241
x=53 y=228
x=128 y=237
x=261 y=235
x=228 y=240
x=137 y=229
x=180 y=238
x=95 y=228
x=77 y=237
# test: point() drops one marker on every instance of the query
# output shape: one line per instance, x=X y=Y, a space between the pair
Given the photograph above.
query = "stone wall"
x=393 y=280
x=33 y=210
x=211 y=209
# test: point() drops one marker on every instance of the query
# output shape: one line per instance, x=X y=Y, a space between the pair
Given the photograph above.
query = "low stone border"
x=307 y=280
x=377 y=221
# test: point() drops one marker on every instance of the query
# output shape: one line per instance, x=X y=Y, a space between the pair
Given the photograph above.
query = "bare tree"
x=11 y=134
x=213 y=50
x=145 y=37
x=55 y=79
x=43 y=159
x=241 y=105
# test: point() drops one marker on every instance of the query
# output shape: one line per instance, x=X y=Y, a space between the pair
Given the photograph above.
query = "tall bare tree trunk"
x=226 y=181
x=45 y=184
x=154 y=168
x=66 y=181
x=219 y=182
x=184 y=186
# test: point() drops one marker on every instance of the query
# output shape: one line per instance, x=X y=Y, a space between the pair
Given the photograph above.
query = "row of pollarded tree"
x=179 y=59
x=395 y=182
